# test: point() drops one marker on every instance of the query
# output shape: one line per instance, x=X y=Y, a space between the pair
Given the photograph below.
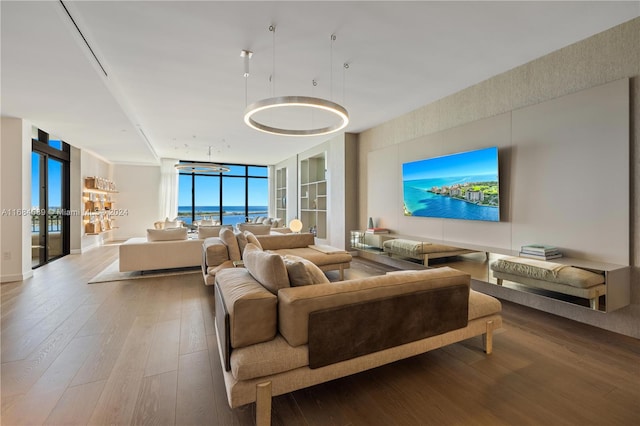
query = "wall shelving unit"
x=281 y=195
x=98 y=203
x=313 y=194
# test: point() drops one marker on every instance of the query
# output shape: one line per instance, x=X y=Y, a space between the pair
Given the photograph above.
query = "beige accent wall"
x=603 y=58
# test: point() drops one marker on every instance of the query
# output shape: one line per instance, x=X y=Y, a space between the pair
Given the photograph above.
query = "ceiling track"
x=83 y=38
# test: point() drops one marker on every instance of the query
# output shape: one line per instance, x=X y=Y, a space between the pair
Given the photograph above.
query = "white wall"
x=15 y=200
x=138 y=199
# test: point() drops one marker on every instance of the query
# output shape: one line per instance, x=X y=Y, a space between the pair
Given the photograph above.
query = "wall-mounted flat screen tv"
x=456 y=186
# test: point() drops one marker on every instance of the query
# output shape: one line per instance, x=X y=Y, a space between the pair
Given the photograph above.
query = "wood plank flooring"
x=144 y=352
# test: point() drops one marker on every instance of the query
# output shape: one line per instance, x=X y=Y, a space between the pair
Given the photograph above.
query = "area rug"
x=111 y=273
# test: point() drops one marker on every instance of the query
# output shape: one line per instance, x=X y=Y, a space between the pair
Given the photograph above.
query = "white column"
x=15 y=200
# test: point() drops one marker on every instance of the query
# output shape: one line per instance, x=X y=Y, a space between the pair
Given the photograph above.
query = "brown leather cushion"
x=349 y=331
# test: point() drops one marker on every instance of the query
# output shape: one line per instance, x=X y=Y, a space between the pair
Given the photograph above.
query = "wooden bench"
x=421 y=250
x=551 y=276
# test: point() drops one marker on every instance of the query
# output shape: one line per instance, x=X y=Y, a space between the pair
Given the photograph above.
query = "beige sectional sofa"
x=274 y=338
x=221 y=252
x=161 y=249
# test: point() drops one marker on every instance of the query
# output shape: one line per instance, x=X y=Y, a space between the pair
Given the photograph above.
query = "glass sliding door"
x=55 y=224
x=49 y=199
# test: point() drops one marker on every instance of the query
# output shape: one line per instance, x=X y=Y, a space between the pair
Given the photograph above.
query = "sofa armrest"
x=215 y=252
x=296 y=303
x=285 y=241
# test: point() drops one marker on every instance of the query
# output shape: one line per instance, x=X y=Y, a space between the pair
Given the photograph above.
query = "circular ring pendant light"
x=202 y=168
x=338 y=111
x=296 y=101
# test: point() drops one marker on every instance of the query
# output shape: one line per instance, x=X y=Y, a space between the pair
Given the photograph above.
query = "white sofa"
x=161 y=249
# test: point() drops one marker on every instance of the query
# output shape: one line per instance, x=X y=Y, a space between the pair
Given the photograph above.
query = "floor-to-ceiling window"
x=49 y=198
x=231 y=197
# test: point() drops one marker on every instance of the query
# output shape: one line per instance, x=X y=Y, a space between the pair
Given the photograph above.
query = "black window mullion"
x=220 y=200
x=193 y=198
x=246 y=191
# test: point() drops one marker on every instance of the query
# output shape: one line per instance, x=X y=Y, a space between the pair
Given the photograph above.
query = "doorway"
x=49 y=199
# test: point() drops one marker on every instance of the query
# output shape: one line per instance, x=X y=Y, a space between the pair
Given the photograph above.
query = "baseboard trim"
x=16 y=277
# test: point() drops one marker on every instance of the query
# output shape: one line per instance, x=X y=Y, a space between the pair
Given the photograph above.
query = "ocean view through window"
x=231 y=197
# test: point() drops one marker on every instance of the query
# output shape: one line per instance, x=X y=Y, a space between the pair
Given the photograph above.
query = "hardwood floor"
x=144 y=352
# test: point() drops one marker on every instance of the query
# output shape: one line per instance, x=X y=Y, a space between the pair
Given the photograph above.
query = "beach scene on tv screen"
x=456 y=186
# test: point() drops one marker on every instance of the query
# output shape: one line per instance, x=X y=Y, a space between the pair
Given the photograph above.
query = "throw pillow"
x=242 y=241
x=251 y=238
x=268 y=269
x=168 y=224
x=171 y=234
x=206 y=222
x=303 y=272
x=229 y=239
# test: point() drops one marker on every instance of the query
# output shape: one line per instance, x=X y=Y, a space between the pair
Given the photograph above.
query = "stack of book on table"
x=377 y=231
x=540 y=251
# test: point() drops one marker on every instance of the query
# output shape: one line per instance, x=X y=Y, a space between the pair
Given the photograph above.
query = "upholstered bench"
x=551 y=276
x=420 y=250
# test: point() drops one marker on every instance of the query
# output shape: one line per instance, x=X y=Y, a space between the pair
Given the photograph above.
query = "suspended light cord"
x=345 y=67
x=246 y=55
x=333 y=38
x=272 y=28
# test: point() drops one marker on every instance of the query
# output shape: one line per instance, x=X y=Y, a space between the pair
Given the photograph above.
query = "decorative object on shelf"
x=203 y=168
x=370 y=223
x=540 y=251
x=295 y=225
x=98 y=205
x=377 y=231
x=100 y=184
x=284 y=102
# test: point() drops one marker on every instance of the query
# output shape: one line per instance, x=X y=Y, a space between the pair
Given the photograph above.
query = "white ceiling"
x=175 y=72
